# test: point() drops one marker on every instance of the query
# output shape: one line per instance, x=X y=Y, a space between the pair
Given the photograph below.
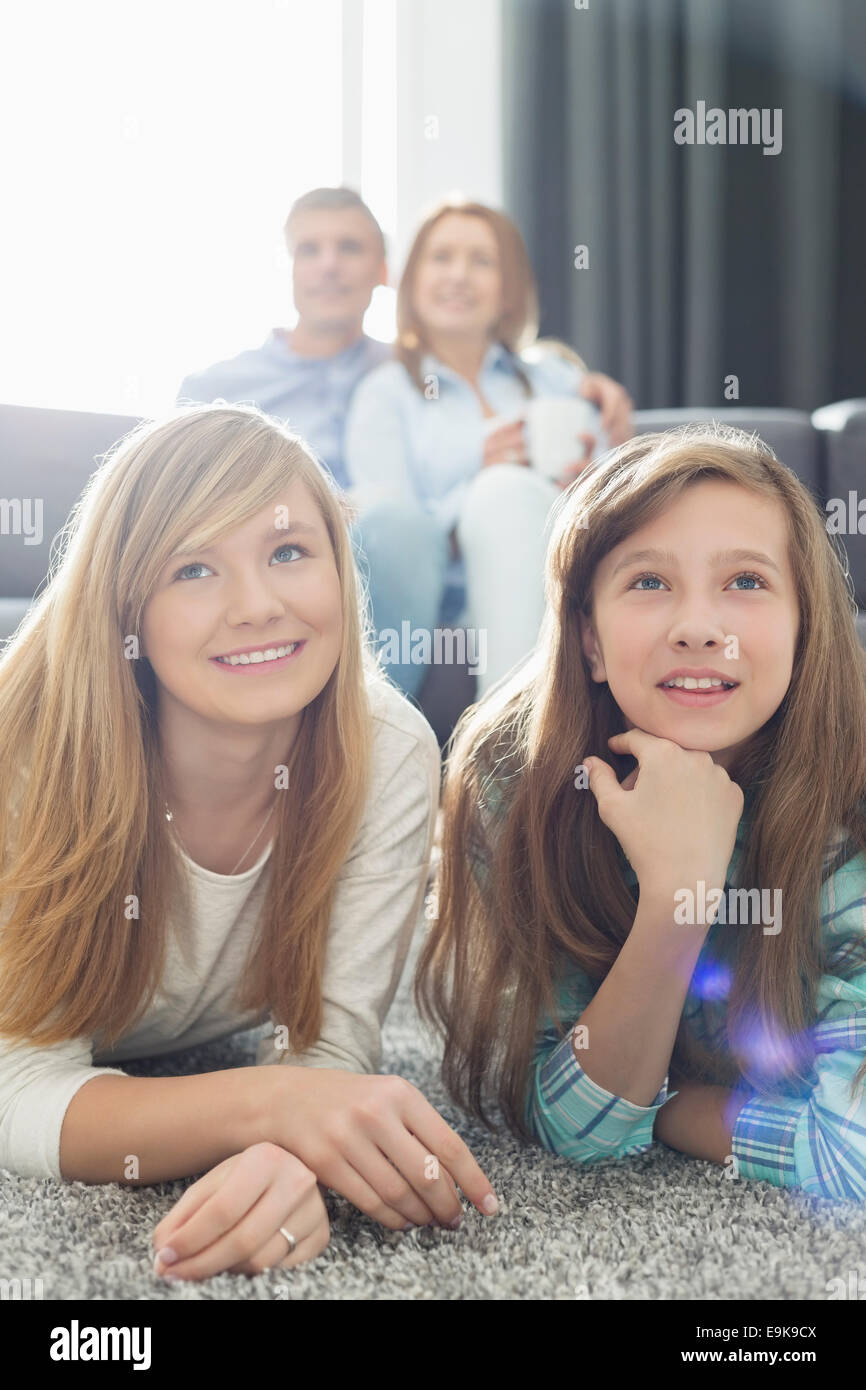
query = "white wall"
x=449 y=127
x=421 y=115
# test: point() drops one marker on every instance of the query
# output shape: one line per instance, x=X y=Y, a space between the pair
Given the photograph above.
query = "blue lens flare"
x=711 y=980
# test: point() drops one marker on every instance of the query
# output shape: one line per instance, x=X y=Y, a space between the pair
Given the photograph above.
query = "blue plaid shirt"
x=812 y=1137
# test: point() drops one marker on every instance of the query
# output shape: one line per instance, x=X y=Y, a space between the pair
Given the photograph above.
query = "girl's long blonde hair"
x=81 y=783
x=552 y=895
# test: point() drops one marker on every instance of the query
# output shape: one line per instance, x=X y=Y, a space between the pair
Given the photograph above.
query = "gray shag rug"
x=658 y=1226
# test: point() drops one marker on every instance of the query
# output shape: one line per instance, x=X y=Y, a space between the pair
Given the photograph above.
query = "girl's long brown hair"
x=81 y=814
x=552 y=896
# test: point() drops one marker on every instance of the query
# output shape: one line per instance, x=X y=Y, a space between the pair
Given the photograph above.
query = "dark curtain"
x=705 y=261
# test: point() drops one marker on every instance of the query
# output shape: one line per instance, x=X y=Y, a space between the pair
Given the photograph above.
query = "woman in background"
x=419 y=429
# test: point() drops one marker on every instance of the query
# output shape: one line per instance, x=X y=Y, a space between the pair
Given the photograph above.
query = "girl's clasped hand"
x=375 y=1140
x=230 y=1219
x=378 y=1142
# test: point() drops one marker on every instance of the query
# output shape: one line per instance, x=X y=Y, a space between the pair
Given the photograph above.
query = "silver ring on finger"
x=290 y=1238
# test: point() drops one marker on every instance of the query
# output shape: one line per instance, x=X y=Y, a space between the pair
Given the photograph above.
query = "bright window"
x=151 y=152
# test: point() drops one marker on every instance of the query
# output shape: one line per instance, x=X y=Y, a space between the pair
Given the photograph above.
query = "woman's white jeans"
x=502 y=530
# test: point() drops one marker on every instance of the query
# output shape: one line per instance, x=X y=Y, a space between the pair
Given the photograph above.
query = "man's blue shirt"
x=310 y=394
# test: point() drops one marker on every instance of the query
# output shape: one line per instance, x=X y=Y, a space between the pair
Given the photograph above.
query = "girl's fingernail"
x=455 y=1223
x=410 y=1226
x=166 y=1255
x=490 y=1204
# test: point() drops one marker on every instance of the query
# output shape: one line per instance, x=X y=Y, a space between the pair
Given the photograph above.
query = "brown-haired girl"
x=683 y=907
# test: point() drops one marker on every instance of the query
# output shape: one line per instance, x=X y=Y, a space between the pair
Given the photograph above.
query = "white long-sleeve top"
x=377 y=906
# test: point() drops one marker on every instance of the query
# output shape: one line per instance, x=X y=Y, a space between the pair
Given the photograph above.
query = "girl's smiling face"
x=718 y=593
x=260 y=587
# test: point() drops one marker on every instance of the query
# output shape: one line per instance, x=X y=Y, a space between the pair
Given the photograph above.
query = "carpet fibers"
x=658 y=1226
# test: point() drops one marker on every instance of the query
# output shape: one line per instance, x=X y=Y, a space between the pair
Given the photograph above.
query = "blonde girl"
x=214 y=811
x=651 y=908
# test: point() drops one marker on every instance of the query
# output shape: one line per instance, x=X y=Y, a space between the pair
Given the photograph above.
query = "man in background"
x=305 y=375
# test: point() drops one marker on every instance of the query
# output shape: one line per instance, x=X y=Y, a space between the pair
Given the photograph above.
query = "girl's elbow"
x=565 y=1144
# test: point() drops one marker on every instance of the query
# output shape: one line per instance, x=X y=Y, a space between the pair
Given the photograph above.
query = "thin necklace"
x=170 y=817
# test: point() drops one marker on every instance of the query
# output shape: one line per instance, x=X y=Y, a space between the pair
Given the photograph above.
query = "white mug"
x=497 y=422
x=552 y=426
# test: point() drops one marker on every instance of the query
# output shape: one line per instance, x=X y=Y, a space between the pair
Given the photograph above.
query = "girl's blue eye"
x=198 y=565
x=299 y=548
x=744 y=575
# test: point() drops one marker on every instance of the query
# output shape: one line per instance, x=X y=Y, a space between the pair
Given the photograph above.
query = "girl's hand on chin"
x=675 y=815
